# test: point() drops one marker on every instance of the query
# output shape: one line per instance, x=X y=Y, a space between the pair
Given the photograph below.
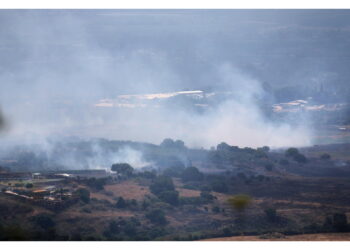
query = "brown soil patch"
x=101 y=196
x=301 y=237
x=128 y=190
x=97 y=214
x=184 y=192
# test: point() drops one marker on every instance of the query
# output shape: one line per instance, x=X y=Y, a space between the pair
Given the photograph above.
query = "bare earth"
x=302 y=237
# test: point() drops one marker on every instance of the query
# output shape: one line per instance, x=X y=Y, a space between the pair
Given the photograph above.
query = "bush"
x=192 y=174
x=123 y=169
x=284 y=162
x=83 y=194
x=43 y=220
x=216 y=209
x=97 y=184
x=300 y=158
x=86 y=210
x=192 y=201
x=269 y=166
x=223 y=146
x=14 y=233
x=219 y=186
x=157 y=216
x=148 y=175
x=239 y=202
x=271 y=214
x=174 y=171
x=207 y=196
x=171 y=197
x=291 y=152
x=122 y=226
x=162 y=184
x=121 y=203
x=340 y=222
x=325 y=156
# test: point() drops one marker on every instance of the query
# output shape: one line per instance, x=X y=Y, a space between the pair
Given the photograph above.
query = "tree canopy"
x=122 y=169
x=240 y=202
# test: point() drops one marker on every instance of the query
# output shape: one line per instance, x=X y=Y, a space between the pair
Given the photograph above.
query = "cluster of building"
x=45 y=189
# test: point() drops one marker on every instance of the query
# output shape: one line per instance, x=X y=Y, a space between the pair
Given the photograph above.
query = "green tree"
x=300 y=158
x=167 y=143
x=271 y=214
x=340 y=222
x=291 y=152
x=223 y=146
x=83 y=194
x=269 y=166
x=207 y=196
x=14 y=233
x=216 y=209
x=162 y=183
x=43 y=220
x=219 y=186
x=157 y=216
x=284 y=162
x=239 y=202
x=121 y=203
x=325 y=156
x=192 y=174
x=171 y=197
x=122 y=169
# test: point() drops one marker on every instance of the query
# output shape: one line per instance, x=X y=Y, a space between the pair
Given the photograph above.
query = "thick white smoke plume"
x=69 y=62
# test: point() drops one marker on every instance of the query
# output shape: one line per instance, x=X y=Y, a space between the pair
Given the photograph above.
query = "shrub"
x=300 y=158
x=192 y=174
x=157 y=216
x=86 y=210
x=325 y=156
x=291 y=152
x=173 y=171
x=271 y=214
x=121 y=203
x=148 y=175
x=96 y=183
x=239 y=202
x=192 y=201
x=219 y=186
x=242 y=176
x=269 y=166
x=43 y=220
x=216 y=209
x=340 y=222
x=207 y=196
x=161 y=184
x=171 y=197
x=83 y=194
x=29 y=185
x=284 y=162
x=14 y=233
x=123 y=169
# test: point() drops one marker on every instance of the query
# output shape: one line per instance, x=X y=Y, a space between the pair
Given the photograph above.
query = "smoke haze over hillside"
x=57 y=65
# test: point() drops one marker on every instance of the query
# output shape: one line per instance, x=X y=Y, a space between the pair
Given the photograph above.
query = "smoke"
x=72 y=153
x=2 y=121
x=58 y=64
x=99 y=158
